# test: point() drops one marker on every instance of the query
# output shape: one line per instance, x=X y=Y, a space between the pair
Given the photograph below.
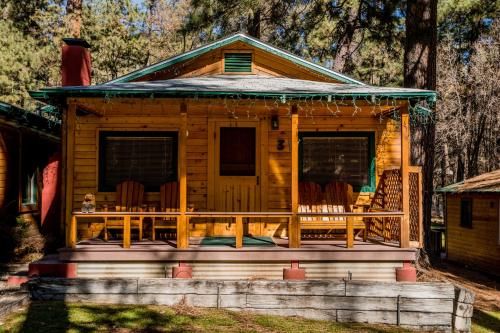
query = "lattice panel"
x=415 y=199
x=388 y=197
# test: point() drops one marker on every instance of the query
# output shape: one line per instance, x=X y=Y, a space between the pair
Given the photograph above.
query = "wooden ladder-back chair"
x=169 y=202
x=339 y=199
x=310 y=198
x=128 y=198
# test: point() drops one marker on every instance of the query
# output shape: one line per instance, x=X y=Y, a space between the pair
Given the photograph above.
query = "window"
x=147 y=157
x=237 y=151
x=466 y=213
x=30 y=187
x=339 y=156
x=238 y=62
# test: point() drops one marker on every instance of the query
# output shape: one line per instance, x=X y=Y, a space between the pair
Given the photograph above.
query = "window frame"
x=370 y=187
x=103 y=133
x=471 y=202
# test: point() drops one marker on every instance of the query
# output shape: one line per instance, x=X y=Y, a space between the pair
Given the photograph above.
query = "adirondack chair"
x=310 y=198
x=169 y=202
x=337 y=198
x=128 y=198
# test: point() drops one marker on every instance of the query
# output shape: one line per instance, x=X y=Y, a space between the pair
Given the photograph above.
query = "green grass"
x=485 y=322
x=54 y=317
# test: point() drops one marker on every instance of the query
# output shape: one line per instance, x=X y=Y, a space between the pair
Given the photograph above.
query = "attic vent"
x=238 y=62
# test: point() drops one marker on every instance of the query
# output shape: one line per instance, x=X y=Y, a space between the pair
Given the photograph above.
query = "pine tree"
x=420 y=72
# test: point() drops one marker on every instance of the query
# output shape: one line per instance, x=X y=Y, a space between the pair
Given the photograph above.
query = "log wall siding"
x=163 y=114
x=426 y=306
x=478 y=246
x=212 y=63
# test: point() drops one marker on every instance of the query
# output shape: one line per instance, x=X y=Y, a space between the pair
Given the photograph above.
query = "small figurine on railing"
x=88 y=204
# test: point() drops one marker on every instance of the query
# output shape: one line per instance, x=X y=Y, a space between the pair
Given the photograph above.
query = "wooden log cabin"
x=472 y=220
x=275 y=163
x=29 y=160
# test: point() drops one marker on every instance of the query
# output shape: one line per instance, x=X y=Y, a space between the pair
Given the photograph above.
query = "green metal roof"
x=30 y=120
x=233 y=86
x=239 y=37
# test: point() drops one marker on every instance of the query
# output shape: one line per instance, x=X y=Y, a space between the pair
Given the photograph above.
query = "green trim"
x=61 y=92
x=370 y=187
x=229 y=40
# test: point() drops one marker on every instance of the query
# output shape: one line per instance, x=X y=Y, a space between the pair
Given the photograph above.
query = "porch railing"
x=236 y=216
x=388 y=196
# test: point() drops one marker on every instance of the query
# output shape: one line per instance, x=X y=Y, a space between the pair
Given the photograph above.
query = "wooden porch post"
x=404 y=240
x=294 y=224
x=68 y=175
x=182 y=220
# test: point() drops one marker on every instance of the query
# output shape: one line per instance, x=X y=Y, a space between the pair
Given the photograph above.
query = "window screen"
x=237 y=151
x=466 y=213
x=342 y=157
x=147 y=157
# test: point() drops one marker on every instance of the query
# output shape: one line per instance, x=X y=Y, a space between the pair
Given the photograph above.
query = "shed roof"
x=29 y=120
x=230 y=85
x=487 y=182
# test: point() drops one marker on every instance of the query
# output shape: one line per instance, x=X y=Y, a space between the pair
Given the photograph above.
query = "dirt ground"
x=487 y=288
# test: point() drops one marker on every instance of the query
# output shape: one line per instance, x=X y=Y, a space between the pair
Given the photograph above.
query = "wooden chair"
x=310 y=198
x=337 y=198
x=169 y=202
x=128 y=198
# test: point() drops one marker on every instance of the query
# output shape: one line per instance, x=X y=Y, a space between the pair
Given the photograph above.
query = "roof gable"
x=209 y=58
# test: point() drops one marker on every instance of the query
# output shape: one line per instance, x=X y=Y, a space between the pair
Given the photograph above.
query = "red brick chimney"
x=75 y=66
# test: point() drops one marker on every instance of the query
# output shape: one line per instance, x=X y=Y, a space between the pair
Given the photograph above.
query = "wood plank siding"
x=478 y=246
x=275 y=165
x=212 y=63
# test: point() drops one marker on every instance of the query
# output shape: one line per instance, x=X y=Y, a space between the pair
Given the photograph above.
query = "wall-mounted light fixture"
x=275 y=122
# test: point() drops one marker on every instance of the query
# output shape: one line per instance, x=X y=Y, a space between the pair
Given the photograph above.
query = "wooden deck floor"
x=311 y=250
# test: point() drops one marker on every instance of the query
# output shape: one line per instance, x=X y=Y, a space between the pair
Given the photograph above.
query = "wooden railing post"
x=239 y=232
x=294 y=224
x=72 y=239
x=69 y=169
x=404 y=234
x=182 y=220
x=126 y=232
x=350 y=232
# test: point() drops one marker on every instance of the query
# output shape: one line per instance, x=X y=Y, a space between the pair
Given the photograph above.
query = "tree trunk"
x=74 y=17
x=253 y=28
x=420 y=72
x=346 y=45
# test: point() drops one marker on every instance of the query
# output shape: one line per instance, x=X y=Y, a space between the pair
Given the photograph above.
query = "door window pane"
x=237 y=151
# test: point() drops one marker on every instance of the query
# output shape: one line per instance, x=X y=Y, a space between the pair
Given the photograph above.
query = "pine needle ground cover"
x=54 y=317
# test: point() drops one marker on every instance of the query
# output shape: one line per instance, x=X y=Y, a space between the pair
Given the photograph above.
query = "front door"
x=236 y=172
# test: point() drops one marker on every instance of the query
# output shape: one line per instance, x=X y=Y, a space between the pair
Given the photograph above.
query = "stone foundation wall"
x=426 y=306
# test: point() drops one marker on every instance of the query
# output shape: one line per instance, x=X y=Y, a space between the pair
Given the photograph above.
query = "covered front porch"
x=275 y=189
